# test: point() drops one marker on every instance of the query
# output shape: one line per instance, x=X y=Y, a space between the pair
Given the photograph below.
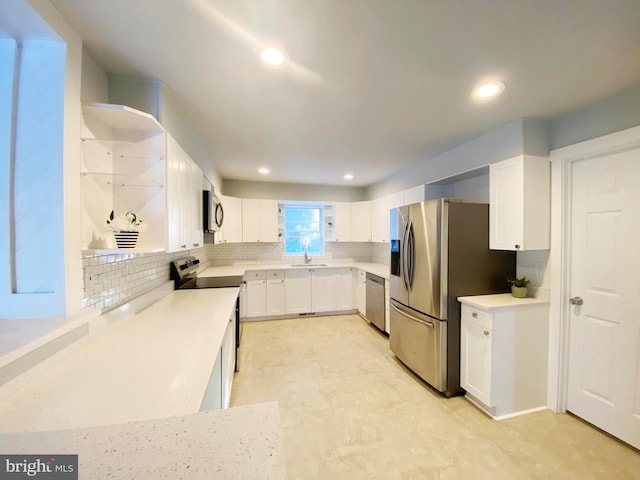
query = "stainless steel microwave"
x=212 y=212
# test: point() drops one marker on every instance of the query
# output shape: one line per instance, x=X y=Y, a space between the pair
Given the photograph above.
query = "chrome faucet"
x=307 y=258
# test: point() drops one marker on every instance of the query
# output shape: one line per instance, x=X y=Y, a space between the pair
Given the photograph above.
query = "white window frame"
x=321 y=230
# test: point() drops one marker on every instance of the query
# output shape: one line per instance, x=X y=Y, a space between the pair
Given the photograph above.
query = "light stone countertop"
x=128 y=400
x=238 y=443
x=154 y=364
x=379 y=269
x=500 y=300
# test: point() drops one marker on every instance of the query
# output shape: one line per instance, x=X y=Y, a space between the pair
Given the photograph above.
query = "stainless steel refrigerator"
x=439 y=251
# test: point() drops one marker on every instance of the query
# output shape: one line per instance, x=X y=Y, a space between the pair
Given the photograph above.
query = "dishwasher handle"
x=375 y=279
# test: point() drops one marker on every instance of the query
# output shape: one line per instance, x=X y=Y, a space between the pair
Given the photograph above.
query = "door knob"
x=576 y=301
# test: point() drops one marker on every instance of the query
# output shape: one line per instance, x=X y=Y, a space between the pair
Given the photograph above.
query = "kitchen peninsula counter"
x=134 y=389
x=242 y=442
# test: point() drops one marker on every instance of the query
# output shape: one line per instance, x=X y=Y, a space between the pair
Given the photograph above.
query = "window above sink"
x=302 y=226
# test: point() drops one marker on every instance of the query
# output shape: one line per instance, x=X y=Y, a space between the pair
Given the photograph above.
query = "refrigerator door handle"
x=415 y=319
x=405 y=253
x=411 y=240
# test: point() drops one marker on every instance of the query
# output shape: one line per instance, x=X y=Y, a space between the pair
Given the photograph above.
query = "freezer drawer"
x=419 y=342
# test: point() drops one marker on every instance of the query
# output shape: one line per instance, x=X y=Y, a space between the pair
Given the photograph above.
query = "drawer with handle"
x=474 y=315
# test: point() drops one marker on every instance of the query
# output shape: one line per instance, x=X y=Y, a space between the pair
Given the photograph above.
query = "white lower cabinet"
x=218 y=393
x=323 y=290
x=256 y=294
x=503 y=354
x=475 y=354
x=345 y=288
x=297 y=291
x=213 y=396
x=318 y=290
x=361 y=292
x=228 y=366
x=303 y=290
x=275 y=292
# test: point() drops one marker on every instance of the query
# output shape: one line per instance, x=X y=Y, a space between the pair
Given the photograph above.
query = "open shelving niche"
x=123 y=169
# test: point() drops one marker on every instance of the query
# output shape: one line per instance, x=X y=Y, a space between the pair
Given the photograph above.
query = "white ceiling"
x=371 y=85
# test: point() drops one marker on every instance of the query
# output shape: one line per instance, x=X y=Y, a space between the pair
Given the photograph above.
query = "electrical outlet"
x=539 y=270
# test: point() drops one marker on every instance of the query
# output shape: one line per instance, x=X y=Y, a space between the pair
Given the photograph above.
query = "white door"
x=604 y=355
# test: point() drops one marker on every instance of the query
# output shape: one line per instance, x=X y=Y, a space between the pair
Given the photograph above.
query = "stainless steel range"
x=184 y=272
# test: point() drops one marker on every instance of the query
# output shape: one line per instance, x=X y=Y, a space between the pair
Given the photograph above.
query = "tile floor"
x=350 y=410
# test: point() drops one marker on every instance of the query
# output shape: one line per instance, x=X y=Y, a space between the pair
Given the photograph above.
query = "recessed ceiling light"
x=488 y=90
x=272 y=56
x=263 y=170
x=348 y=176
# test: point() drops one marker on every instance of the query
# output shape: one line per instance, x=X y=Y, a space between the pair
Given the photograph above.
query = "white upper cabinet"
x=197 y=222
x=184 y=199
x=380 y=220
x=361 y=221
x=520 y=204
x=231 y=231
x=341 y=222
x=259 y=220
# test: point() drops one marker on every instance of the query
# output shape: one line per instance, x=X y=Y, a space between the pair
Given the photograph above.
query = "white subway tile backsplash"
x=113 y=279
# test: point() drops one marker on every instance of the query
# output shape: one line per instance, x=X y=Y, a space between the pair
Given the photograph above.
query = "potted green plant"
x=519 y=286
x=126 y=228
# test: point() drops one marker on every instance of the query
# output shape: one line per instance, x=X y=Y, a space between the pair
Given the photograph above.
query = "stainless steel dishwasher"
x=375 y=300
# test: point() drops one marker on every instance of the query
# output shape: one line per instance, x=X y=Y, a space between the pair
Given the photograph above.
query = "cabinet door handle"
x=517 y=246
x=486 y=333
x=474 y=315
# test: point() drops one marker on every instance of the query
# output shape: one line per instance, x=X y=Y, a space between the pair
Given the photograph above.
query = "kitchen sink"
x=310 y=265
